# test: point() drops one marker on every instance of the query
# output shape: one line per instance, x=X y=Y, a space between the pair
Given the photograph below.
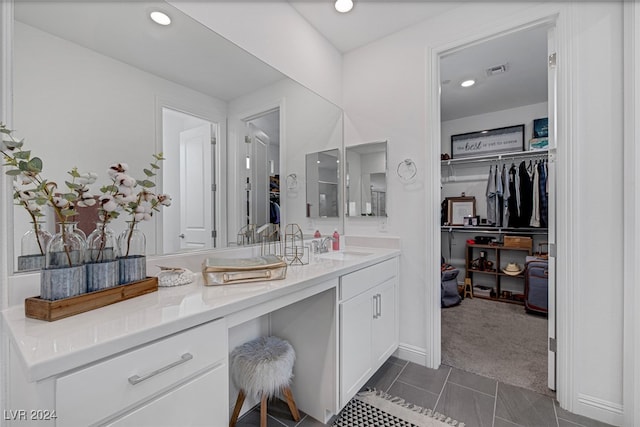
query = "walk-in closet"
x=497 y=194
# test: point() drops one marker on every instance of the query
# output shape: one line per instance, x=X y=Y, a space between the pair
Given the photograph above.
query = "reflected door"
x=196 y=190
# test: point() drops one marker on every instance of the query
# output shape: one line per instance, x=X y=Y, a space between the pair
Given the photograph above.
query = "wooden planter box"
x=41 y=309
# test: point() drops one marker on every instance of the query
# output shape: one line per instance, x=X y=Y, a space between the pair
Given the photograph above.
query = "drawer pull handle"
x=136 y=379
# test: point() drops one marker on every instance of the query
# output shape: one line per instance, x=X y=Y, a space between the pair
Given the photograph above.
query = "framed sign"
x=459 y=209
x=501 y=140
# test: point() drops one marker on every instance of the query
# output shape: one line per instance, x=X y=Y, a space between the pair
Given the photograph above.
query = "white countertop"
x=46 y=349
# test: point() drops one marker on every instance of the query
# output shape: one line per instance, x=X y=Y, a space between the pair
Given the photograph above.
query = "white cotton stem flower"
x=86 y=201
x=164 y=199
x=108 y=203
x=60 y=202
x=124 y=180
x=116 y=169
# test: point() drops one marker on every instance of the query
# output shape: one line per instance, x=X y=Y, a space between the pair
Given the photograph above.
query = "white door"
x=260 y=178
x=551 y=222
x=196 y=190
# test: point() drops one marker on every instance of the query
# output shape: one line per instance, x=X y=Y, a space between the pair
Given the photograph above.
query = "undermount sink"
x=345 y=255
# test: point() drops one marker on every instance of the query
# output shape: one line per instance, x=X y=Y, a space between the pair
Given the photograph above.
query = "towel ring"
x=407 y=170
x=292 y=181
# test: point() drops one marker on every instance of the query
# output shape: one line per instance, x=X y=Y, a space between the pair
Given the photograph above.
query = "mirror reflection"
x=366 y=179
x=323 y=184
x=88 y=93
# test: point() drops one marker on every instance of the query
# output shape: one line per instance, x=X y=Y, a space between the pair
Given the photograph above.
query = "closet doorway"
x=488 y=89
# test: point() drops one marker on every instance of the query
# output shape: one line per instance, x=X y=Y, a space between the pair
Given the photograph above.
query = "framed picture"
x=501 y=140
x=459 y=208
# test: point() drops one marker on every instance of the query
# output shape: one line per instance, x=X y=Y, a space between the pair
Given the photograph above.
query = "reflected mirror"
x=366 y=179
x=88 y=93
x=323 y=184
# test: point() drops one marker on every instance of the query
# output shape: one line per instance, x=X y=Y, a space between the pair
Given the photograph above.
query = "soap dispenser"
x=317 y=234
x=336 y=241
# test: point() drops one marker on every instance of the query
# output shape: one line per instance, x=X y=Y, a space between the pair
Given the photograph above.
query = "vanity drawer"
x=104 y=389
x=359 y=281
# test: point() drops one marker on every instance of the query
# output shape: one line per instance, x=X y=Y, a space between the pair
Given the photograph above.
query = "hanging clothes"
x=535 y=211
x=544 y=194
x=506 y=195
x=499 y=198
x=514 y=214
x=491 y=196
x=526 y=195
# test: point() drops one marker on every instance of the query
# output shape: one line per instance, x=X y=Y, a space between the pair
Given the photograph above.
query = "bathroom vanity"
x=162 y=358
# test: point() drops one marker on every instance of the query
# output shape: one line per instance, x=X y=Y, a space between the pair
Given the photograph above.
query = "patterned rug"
x=373 y=408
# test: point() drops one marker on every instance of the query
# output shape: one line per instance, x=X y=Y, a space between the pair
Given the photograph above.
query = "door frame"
x=564 y=179
x=631 y=297
x=219 y=152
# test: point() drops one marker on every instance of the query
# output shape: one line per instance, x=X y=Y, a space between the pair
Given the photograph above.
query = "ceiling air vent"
x=497 y=69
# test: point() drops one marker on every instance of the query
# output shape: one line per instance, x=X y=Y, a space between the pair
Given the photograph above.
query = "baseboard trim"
x=412 y=354
x=599 y=409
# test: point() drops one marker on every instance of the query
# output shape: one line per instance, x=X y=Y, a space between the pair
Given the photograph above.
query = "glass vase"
x=131 y=246
x=101 y=264
x=33 y=246
x=64 y=273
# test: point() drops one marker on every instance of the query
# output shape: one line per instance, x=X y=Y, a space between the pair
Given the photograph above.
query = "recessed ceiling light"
x=160 y=17
x=344 y=6
x=468 y=83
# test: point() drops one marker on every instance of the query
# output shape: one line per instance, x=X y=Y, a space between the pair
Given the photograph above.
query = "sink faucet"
x=324 y=244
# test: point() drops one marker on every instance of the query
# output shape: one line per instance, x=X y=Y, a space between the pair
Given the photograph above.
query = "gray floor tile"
x=425 y=378
x=384 y=377
x=577 y=419
x=499 y=422
x=280 y=411
x=311 y=422
x=524 y=407
x=565 y=423
x=470 y=407
x=473 y=381
x=252 y=419
x=397 y=361
x=412 y=394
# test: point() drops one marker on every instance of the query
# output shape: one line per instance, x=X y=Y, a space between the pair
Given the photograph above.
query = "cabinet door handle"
x=136 y=379
x=375 y=306
x=379 y=305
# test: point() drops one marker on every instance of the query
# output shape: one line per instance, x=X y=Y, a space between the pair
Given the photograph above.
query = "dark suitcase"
x=449 y=288
x=536 y=286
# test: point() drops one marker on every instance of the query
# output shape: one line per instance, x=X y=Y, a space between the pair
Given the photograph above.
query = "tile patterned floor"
x=475 y=400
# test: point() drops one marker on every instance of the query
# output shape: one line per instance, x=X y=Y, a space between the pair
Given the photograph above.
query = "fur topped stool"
x=261 y=368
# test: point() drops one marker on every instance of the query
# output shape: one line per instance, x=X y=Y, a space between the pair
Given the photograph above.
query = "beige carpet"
x=497 y=340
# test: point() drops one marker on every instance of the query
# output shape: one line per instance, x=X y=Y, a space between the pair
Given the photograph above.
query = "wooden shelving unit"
x=494 y=253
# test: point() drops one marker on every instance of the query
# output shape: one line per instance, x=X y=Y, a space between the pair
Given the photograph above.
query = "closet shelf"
x=497 y=157
x=494 y=230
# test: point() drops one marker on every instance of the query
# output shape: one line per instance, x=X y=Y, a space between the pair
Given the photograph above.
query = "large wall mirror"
x=96 y=83
x=366 y=180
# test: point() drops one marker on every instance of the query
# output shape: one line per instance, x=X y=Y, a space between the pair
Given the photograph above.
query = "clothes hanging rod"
x=498 y=157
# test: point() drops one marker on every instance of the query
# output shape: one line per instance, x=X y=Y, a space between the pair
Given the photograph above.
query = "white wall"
x=309 y=124
x=274 y=32
x=111 y=115
x=385 y=87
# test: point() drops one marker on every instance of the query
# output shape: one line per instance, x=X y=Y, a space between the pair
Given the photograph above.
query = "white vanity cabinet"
x=181 y=379
x=368 y=324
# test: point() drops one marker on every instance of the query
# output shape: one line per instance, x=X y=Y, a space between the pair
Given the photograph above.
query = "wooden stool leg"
x=292 y=404
x=237 y=408
x=263 y=411
x=468 y=289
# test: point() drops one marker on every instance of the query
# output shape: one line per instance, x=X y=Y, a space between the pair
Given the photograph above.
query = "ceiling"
x=169 y=51
x=524 y=53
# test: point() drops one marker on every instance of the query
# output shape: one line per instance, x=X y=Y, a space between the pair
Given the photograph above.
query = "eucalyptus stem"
x=35 y=226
